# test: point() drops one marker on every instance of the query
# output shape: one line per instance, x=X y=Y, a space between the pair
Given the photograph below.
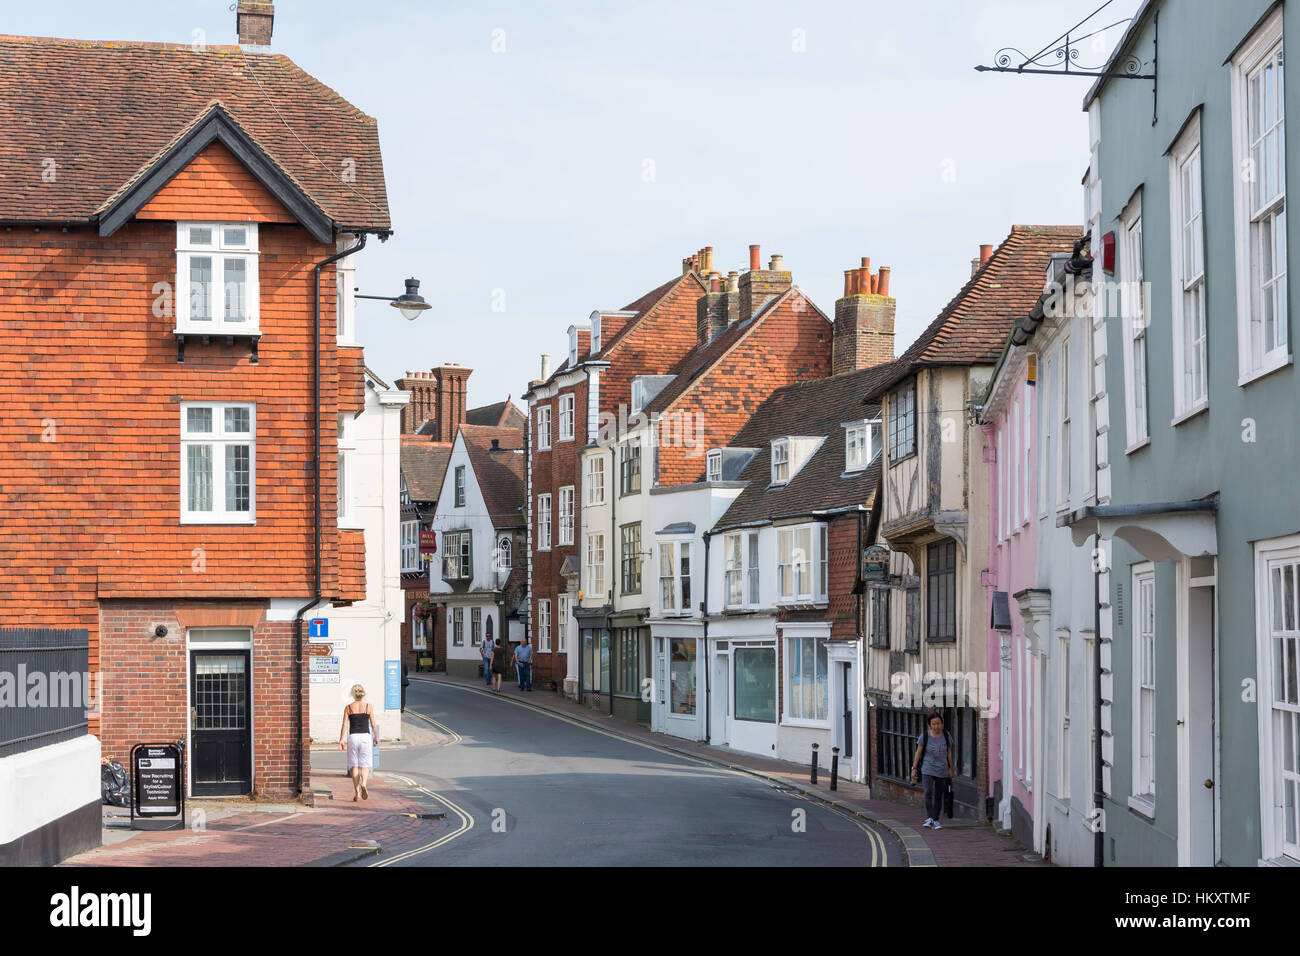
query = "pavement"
x=959 y=843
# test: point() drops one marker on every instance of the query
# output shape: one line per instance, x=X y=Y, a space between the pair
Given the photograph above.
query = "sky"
x=545 y=159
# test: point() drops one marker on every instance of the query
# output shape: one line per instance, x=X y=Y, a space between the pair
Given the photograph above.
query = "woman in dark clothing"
x=498 y=665
x=935 y=746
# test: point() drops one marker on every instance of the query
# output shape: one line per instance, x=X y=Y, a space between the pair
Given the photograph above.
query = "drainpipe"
x=1099 y=837
x=618 y=566
x=316 y=508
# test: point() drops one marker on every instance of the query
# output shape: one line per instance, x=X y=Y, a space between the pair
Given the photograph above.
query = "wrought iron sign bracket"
x=1060 y=58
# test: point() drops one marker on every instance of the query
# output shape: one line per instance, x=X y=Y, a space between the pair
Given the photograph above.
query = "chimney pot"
x=715 y=283
x=496 y=444
x=755 y=258
x=775 y=264
x=866 y=263
x=733 y=281
x=882 y=281
x=850 y=282
x=986 y=250
x=546 y=367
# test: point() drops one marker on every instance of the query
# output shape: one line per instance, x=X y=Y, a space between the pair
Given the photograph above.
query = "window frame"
x=1186 y=154
x=868 y=429
x=902 y=423
x=713 y=466
x=218 y=251
x=1063 y=437
x=1134 y=321
x=789 y=571
x=565 y=424
x=1257 y=54
x=544 y=625
x=630 y=558
x=564 y=530
x=878 y=611
x=457 y=627
x=595 y=489
x=595 y=564
x=218 y=438
x=458 y=495
x=789 y=697
x=629 y=468
x=935 y=618
x=544 y=521
x=475 y=626
x=1275 y=555
x=673 y=577
x=460 y=544
x=345 y=481
x=543 y=428
x=780 y=460
x=1143 y=779
x=410 y=544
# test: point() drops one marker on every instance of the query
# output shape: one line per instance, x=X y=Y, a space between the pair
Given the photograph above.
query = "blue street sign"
x=318 y=627
x=392 y=685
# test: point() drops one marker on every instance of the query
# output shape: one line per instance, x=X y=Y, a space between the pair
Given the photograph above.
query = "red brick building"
x=162 y=231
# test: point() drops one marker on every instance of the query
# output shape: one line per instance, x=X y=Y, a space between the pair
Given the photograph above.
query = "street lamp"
x=410 y=303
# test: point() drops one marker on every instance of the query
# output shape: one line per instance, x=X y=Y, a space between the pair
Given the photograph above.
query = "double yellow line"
x=466 y=823
x=455 y=737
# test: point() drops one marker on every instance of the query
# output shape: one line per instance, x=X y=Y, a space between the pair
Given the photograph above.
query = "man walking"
x=524 y=665
x=485 y=649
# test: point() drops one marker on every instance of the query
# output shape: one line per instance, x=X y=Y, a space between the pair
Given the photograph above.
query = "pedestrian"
x=524 y=665
x=933 y=761
x=355 y=736
x=499 y=661
x=485 y=649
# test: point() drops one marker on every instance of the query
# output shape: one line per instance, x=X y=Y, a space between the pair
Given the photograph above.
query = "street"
x=524 y=788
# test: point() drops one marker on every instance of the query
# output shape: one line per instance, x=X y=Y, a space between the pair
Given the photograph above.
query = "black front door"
x=221 y=758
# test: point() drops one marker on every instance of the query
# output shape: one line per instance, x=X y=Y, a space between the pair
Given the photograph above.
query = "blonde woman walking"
x=356 y=735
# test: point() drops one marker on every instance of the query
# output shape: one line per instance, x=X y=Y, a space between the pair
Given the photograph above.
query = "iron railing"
x=44 y=686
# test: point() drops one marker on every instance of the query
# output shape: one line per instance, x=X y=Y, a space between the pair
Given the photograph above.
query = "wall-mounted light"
x=410 y=303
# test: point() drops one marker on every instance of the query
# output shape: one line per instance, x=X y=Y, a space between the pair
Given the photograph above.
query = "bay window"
x=594 y=479
x=741 y=556
x=675 y=576
x=410 y=546
x=794 y=570
x=218 y=463
x=780 y=461
x=457 y=563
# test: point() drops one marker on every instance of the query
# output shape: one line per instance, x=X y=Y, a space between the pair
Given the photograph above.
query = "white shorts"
x=360 y=753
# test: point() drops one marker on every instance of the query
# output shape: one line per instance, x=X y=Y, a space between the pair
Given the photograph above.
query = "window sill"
x=1141 y=443
x=349 y=524
x=1142 y=806
x=211 y=519
x=810 y=724
x=1190 y=413
x=564 y=438
x=1268 y=368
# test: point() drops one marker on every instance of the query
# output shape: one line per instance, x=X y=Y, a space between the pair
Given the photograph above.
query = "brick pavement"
x=332 y=832
x=957 y=844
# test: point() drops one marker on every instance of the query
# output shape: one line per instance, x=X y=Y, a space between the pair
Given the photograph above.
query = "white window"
x=419 y=635
x=1278 y=612
x=861 y=443
x=458 y=626
x=1063 y=695
x=504 y=556
x=594 y=479
x=460 y=486
x=1013 y=471
x=713 y=465
x=216 y=277
x=475 y=626
x=806 y=695
x=780 y=461
x=566 y=418
x=411 y=546
x=823 y=550
x=544 y=625
x=1063 y=467
x=1133 y=306
x=638 y=395
x=1144 y=687
x=742 y=569
x=544 y=428
x=595 y=565
x=1187 y=249
x=562 y=626
x=457 y=556
x=347 y=462
x=1027 y=456
x=1045 y=413
x=566 y=515
x=573 y=346
x=675 y=576
x=218 y=463
x=543 y=522
x=1259 y=149
x=345 y=272
x=794 y=572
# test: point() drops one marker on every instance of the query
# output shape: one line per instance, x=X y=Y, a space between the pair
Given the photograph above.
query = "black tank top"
x=359 y=723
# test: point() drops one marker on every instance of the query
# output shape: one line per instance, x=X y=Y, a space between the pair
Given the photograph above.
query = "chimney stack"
x=756 y=285
x=711 y=311
x=546 y=367
x=438 y=396
x=254 y=21
x=986 y=250
x=863 y=334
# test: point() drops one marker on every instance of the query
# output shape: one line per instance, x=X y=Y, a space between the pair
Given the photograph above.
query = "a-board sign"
x=157 y=782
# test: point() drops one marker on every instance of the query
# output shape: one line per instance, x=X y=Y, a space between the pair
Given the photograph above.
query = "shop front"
x=679 y=690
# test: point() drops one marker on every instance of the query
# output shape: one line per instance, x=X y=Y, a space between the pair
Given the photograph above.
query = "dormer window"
x=595 y=333
x=861 y=444
x=714 y=465
x=638 y=396
x=573 y=346
x=216 y=278
x=780 y=461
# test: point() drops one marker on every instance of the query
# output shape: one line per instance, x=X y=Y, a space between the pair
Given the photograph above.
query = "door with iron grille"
x=221 y=758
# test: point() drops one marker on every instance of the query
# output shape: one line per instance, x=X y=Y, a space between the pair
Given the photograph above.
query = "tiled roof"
x=698 y=361
x=500 y=474
x=816 y=408
x=424 y=465
x=642 y=307
x=105 y=111
x=973 y=327
x=499 y=414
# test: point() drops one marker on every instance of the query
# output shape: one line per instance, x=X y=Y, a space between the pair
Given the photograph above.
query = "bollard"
x=814 y=764
x=835 y=768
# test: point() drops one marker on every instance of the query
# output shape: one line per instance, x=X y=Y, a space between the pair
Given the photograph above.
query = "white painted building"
x=366 y=636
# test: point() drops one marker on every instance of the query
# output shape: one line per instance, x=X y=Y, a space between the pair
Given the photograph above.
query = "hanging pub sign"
x=157 y=787
x=428 y=542
x=875 y=563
